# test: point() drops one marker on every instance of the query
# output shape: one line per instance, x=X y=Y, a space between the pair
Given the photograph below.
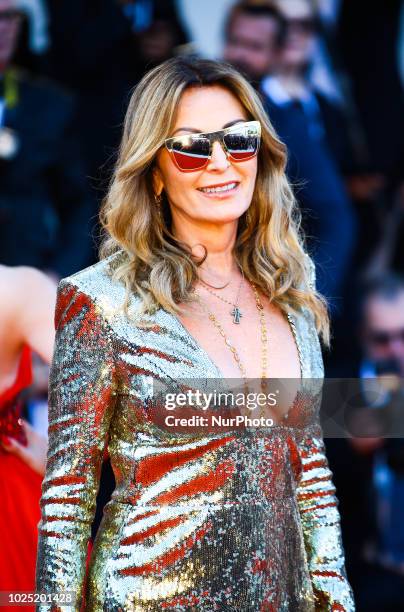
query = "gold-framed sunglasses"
x=192 y=152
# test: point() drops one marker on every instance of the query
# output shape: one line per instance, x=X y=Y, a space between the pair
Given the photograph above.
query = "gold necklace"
x=236 y=312
x=213 y=287
x=264 y=336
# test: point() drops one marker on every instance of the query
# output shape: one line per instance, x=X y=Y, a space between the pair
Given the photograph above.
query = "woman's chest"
x=247 y=343
x=167 y=347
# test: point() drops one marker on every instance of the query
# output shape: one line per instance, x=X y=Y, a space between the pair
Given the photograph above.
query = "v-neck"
x=207 y=358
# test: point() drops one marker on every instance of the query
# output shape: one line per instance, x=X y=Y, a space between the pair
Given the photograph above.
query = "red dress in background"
x=20 y=491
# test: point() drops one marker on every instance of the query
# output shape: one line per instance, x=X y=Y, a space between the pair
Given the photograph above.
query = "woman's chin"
x=223 y=219
x=220 y=212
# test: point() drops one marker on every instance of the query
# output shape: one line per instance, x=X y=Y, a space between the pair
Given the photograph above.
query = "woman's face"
x=207 y=109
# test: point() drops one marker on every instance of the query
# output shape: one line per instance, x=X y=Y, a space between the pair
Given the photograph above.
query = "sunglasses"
x=192 y=152
x=382 y=338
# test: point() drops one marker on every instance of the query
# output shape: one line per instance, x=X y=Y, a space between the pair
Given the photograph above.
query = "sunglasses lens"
x=190 y=152
x=242 y=145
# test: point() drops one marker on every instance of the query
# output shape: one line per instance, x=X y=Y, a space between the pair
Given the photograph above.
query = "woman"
x=201 y=225
x=26 y=322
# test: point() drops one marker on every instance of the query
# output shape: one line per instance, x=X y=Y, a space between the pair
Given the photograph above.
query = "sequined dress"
x=196 y=522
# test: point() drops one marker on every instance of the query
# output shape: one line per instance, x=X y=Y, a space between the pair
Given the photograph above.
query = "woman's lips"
x=220 y=190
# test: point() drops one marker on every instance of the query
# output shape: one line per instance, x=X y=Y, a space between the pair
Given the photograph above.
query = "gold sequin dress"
x=198 y=522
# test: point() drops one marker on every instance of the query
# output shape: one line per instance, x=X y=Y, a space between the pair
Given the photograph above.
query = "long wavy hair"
x=270 y=245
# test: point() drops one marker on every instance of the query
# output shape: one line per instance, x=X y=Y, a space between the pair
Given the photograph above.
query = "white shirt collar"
x=273 y=88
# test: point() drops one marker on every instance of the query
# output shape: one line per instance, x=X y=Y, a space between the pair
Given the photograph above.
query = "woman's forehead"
x=208 y=108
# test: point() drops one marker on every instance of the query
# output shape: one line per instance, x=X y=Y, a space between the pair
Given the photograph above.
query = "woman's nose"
x=219 y=160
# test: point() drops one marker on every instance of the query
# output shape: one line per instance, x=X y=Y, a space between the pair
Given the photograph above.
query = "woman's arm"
x=33 y=453
x=320 y=519
x=27 y=307
x=27 y=311
x=81 y=403
x=36 y=307
x=318 y=508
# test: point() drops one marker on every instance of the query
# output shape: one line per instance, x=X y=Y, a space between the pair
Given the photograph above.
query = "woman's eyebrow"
x=198 y=131
x=234 y=123
x=187 y=129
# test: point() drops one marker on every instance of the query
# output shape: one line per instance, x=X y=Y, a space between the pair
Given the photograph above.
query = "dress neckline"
x=206 y=357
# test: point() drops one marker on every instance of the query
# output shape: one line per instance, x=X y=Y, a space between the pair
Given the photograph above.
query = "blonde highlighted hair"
x=161 y=270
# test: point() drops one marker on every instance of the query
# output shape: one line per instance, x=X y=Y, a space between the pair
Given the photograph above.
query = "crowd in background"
x=331 y=76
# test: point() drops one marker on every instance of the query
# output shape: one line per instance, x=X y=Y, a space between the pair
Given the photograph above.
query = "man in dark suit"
x=45 y=206
x=257 y=40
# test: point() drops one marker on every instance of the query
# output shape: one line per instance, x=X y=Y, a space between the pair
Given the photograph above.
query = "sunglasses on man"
x=192 y=152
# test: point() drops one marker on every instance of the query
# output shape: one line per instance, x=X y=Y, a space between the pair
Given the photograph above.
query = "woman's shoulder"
x=22 y=284
x=310 y=340
x=96 y=294
x=97 y=284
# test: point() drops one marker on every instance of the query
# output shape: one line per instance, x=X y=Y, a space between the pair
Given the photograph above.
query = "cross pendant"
x=236 y=314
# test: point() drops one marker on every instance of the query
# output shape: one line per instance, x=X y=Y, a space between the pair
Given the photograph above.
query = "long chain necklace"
x=264 y=337
x=236 y=312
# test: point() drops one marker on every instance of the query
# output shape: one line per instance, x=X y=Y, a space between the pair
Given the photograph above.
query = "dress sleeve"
x=318 y=506
x=320 y=520
x=82 y=393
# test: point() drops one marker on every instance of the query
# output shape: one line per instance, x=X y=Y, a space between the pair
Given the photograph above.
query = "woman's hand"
x=34 y=453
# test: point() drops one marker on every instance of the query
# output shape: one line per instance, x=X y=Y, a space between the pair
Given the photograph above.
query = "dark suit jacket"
x=313 y=168
x=45 y=205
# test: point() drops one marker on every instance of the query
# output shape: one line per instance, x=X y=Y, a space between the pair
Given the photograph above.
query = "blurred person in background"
x=27 y=304
x=45 y=205
x=305 y=121
x=369 y=67
x=254 y=34
x=377 y=505
x=372 y=62
x=33 y=41
x=315 y=132
x=100 y=49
